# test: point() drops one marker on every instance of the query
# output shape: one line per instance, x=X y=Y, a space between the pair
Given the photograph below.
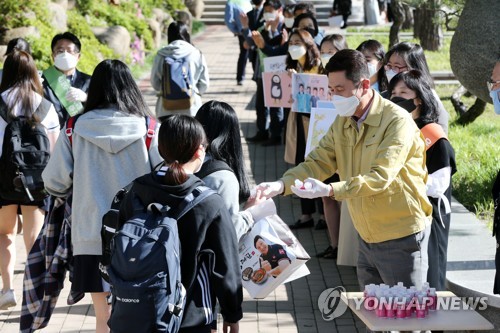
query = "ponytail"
x=175 y=174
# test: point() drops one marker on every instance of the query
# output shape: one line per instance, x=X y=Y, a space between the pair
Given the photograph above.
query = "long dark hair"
x=414 y=57
x=113 y=84
x=418 y=83
x=310 y=16
x=20 y=75
x=224 y=140
x=312 y=55
x=178 y=30
x=178 y=139
x=374 y=46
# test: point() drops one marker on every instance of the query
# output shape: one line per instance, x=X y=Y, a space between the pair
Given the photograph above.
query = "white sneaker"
x=7 y=299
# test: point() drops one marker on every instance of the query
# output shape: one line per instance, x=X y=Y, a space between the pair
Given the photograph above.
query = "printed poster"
x=275 y=64
x=321 y=121
x=307 y=90
x=277 y=89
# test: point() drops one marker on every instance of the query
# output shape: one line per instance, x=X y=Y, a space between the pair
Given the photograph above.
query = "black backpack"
x=25 y=153
x=144 y=265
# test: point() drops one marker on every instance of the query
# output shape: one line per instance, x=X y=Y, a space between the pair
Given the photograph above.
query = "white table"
x=442 y=320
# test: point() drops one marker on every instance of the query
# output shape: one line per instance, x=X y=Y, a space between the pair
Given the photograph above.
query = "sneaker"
x=7 y=299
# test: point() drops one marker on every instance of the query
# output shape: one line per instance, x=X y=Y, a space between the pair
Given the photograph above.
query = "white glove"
x=270 y=189
x=311 y=189
x=76 y=95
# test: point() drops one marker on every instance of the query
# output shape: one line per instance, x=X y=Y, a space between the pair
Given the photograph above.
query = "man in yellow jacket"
x=379 y=154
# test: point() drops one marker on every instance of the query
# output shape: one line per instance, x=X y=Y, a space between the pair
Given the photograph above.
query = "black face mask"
x=406 y=104
x=311 y=31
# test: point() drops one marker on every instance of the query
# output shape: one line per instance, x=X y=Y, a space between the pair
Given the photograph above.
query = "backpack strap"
x=151 y=126
x=432 y=133
x=211 y=166
x=43 y=109
x=70 y=126
x=198 y=195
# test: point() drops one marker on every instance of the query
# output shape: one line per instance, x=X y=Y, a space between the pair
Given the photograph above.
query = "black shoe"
x=240 y=83
x=299 y=224
x=259 y=137
x=321 y=225
x=276 y=141
x=328 y=253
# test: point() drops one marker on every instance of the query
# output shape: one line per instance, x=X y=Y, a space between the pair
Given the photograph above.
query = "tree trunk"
x=408 y=21
x=430 y=32
x=475 y=111
x=416 y=23
x=398 y=14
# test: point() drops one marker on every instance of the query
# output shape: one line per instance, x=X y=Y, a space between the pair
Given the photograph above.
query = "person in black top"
x=412 y=91
x=496 y=231
x=273 y=257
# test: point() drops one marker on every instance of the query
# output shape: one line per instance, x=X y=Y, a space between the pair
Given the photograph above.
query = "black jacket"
x=209 y=249
x=80 y=81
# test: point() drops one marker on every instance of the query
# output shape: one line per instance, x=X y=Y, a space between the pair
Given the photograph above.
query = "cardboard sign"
x=277 y=89
x=320 y=123
x=275 y=64
x=307 y=90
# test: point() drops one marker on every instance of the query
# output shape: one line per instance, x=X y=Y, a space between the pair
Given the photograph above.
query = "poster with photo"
x=307 y=90
x=321 y=121
x=277 y=89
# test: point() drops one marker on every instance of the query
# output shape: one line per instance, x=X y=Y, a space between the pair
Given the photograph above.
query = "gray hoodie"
x=198 y=67
x=108 y=152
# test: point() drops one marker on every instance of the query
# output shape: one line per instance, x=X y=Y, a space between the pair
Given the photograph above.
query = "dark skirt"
x=86 y=276
x=43 y=204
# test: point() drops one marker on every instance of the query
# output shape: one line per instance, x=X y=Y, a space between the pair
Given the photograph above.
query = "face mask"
x=406 y=104
x=65 y=61
x=345 y=106
x=311 y=31
x=495 y=96
x=269 y=16
x=390 y=74
x=372 y=68
x=325 y=58
x=289 y=22
x=296 y=51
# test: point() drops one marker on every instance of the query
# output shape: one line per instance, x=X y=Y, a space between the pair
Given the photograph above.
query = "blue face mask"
x=495 y=96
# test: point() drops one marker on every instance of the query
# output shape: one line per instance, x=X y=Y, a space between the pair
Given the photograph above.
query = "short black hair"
x=308 y=6
x=66 y=35
x=414 y=57
x=352 y=62
x=310 y=16
x=256 y=238
x=276 y=4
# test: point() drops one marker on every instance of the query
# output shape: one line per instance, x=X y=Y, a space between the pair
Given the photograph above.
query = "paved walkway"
x=292 y=307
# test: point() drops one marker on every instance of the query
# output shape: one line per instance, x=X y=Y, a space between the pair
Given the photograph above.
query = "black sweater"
x=209 y=250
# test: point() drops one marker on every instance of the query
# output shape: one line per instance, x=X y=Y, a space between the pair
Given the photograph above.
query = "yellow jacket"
x=382 y=171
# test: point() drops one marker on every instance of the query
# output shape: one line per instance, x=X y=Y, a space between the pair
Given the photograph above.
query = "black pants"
x=438 y=249
x=242 y=60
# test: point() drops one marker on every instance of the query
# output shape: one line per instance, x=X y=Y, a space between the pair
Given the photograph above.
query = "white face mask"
x=65 y=61
x=296 y=51
x=346 y=106
x=289 y=22
x=390 y=74
x=325 y=58
x=372 y=68
x=269 y=16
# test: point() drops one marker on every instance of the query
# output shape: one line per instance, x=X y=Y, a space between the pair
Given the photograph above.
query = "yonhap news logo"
x=330 y=303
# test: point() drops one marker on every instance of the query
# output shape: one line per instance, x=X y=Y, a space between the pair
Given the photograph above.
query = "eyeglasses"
x=397 y=69
x=491 y=84
x=70 y=51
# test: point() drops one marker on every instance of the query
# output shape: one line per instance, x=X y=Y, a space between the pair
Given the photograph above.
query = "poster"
x=321 y=121
x=277 y=89
x=307 y=90
x=275 y=64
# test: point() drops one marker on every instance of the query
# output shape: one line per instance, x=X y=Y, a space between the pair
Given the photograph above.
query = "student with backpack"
x=223 y=169
x=25 y=114
x=179 y=73
x=107 y=147
x=209 y=258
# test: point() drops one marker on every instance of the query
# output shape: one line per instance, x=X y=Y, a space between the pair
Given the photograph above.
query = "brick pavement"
x=292 y=307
